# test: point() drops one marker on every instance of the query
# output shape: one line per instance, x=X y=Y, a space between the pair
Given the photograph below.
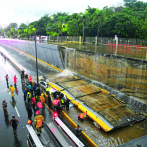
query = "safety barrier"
x=128 y=50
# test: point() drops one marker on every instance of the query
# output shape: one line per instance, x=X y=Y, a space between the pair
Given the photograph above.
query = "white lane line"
x=17 y=112
x=40 y=71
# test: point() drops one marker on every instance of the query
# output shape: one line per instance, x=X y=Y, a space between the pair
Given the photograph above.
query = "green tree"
x=72 y=27
x=8 y=34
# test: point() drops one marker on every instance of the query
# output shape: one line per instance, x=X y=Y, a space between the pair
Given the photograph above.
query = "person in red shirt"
x=15 y=80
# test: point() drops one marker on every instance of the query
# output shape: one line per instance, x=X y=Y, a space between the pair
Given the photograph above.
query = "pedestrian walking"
x=30 y=80
x=15 y=80
x=33 y=102
x=34 y=87
x=22 y=73
x=29 y=87
x=67 y=104
x=25 y=94
x=38 y=121
x=37 y=99
x=26 y=78
x=55 y=103
x=47 y=90
x=29 y=109
x=4 y=104
x=11 y=89
x=42 y=99
x=78 y=131
x=58 y=109
x=28 y=97
x=63 y=103
x=14 y=123
x=7 y=78
x=49 y=101
x=37 y=91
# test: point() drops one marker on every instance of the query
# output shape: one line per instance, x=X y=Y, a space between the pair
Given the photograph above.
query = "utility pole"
x=97 y=33
x=83 y=30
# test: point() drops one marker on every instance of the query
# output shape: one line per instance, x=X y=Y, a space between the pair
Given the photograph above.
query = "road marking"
x=40 y=71
x=17 y=112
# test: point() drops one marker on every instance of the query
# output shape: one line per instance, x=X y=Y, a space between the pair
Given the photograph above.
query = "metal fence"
x=101 y=40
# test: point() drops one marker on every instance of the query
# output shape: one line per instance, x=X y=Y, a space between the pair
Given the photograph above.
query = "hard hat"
x=38 y=112
x=13 y=116
x=4 y=99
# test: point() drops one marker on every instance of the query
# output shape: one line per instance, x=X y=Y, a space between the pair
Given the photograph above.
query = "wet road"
x=100 y=137
x=7 y=138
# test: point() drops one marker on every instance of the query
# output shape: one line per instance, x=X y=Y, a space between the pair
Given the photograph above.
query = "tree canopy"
x=128 y=21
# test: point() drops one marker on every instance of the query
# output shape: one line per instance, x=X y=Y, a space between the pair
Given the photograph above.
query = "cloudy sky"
x=26 y=11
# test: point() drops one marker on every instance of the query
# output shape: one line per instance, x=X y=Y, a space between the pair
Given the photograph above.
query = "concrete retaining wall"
x=46 y=52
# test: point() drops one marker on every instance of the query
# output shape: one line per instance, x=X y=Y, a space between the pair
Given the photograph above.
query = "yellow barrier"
x=75 y=103
x=88 y=140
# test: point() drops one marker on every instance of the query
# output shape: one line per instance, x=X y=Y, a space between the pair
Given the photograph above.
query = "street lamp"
x=48 y=28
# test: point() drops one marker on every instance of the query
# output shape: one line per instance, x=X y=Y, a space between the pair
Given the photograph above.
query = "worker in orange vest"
x=38 y=121
x=42 y=99
x=82 y=115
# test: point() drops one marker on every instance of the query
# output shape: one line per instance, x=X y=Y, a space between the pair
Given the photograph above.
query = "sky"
x=27 y=11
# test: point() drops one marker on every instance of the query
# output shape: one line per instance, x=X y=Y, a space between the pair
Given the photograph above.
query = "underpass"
x=103 y=139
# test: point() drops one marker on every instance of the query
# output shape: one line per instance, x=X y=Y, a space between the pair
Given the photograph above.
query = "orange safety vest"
x=82 y=116
x=38 y=120
x=42 y=99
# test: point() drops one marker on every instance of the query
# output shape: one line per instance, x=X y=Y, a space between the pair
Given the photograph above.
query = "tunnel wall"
x=45 y=52
x=126 y=78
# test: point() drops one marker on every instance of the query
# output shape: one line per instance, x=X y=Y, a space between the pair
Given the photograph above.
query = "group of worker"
x=36 y=100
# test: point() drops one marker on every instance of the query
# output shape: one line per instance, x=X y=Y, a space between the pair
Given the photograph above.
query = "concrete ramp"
x=103 y=108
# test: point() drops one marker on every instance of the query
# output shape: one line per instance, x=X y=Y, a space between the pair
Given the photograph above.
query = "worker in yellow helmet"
x=11 y=89
x=38 y=121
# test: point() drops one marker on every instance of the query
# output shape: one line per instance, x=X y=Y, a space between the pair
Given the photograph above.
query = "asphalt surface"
x=7 y=139
x=16 y=107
